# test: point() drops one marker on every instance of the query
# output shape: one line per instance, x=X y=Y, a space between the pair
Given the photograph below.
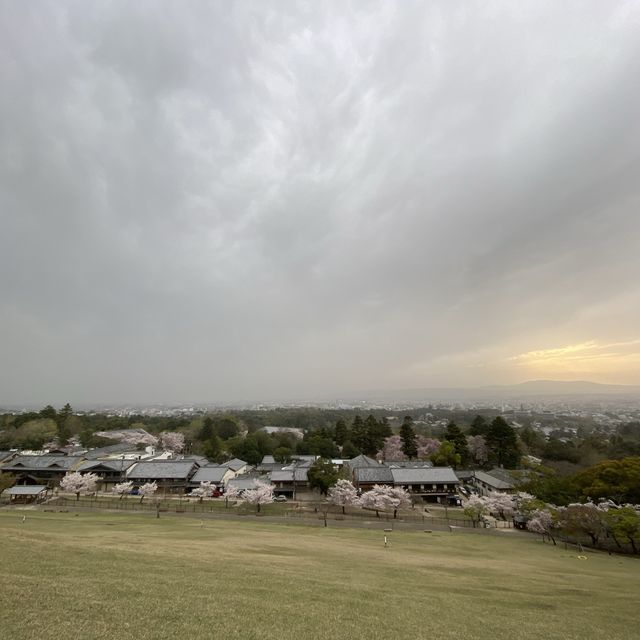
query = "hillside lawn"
x=119 y=576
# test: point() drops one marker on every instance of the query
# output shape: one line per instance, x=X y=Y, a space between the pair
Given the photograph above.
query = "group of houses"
x=175 y=474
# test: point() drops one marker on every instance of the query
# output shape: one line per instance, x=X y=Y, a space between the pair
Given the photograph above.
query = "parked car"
x=280 y=499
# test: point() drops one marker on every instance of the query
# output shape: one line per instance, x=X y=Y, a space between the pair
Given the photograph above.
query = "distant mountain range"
x=531 y=390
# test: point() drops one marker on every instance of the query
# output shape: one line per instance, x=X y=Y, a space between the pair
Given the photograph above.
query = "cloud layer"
x=214 y=201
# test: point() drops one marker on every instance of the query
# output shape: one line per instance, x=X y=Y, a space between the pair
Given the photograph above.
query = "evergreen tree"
x=342 y=433
x=503 y=444
x=454 y=435
x=213 y=448
x=359 y=435
x=479 y=427
x=322 y=475
x=349 y=450
x=206 y=432
x=62 y=423
x=408 y=436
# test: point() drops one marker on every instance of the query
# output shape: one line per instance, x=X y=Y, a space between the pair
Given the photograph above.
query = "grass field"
x=119 y=576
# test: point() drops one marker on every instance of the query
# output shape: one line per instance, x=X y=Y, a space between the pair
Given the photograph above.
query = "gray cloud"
x=204 y=201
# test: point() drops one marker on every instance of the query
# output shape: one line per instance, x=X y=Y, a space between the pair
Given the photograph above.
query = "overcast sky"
x=217 y=201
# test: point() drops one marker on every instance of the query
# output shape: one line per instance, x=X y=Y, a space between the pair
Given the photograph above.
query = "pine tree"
x=454 y=435
x=408 y=436
x=503 y=444
x=479 y=427
x=342 y=433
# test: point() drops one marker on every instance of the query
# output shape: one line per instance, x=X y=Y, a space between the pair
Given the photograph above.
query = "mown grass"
x=115 y=576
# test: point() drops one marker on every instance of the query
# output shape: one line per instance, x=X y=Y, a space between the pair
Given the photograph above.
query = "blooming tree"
x=392 y=448
x=501 y=503
x=134 y=439
x=205 y=490
x=426 y=446
x=122 y=488
x=231 y=493
x=172 y=441
x=343 y=494
x=375 y=499
x=148 y=489
x=543 y=521
x=475 y=508
x=383 y=498
x=398 y=498
x=261 y=493
x=478 y=449
x=76 y=482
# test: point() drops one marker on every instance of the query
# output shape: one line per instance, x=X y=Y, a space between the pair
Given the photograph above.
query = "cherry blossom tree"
x=134 y=439
x=122 y=488
x=478 y=449
x=501 y=503
x=343 y=494
x=375 y=499
x=172 y=441
x=231 y=493
x=383 y=498
x=76 y=482
x=205 y=490
x=543 y=521
x=261 y=493
x=147 y=490
x=398 y=498
x=392 y=448
x=426 y=446
x=475 y=508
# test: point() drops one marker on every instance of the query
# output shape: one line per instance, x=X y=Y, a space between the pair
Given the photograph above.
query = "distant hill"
x=533 y=389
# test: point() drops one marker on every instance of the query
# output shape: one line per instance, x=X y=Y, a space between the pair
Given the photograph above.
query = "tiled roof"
x=362 y=461
x=161 y=469
x=379 y=474
x=424 y=476
x=210 y=474
x=113 y=465
x=39 y=463
x=492 y=481
x=26 y=490
x=234 y=464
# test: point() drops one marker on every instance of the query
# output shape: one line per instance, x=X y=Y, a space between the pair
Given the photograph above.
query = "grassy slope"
x=130 y=576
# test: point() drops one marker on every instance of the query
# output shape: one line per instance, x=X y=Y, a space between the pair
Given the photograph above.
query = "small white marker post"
x=385 y=541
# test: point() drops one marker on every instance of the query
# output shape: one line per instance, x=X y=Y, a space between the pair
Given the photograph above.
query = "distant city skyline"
x=213 y=201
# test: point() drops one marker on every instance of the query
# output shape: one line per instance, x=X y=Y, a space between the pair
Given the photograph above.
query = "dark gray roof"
x=210 y=474
x=409 y=464
x=201 y=461
x=5 y=455
x=275 y=466
x=435 y=475
x=378 y=474
x=362 y=461
x=234 y=464
x=38 y=463
x=285 y=475
x=161 y=469
x=113 y=465
x=268 y=460
x=26 y=490
x=101 y=452
x=492 y=481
